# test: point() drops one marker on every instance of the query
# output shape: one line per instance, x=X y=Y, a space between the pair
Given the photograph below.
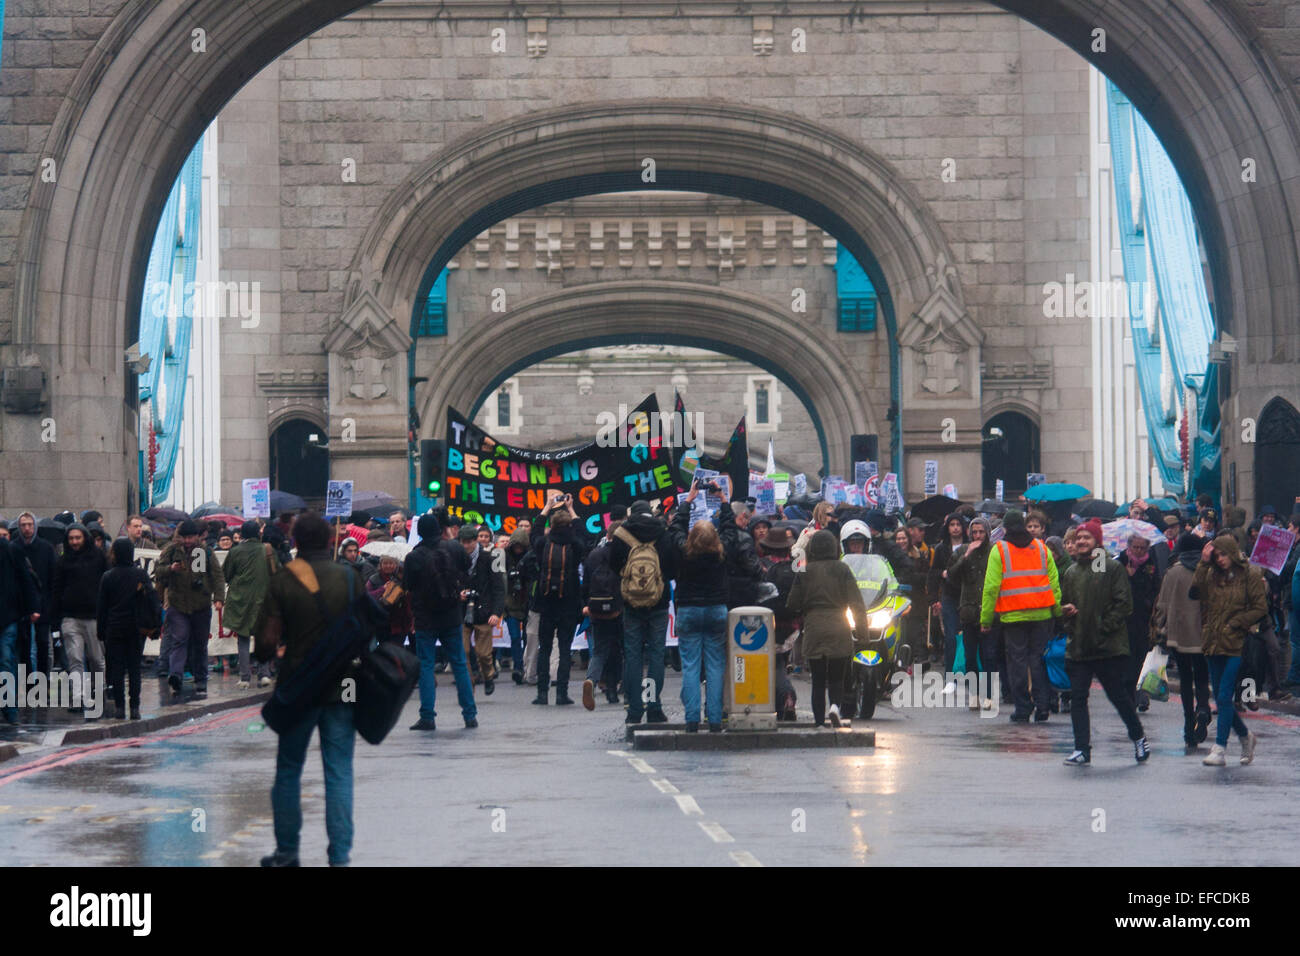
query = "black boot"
x=562 y=695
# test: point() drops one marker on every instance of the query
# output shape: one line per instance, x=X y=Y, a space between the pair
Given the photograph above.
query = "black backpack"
x=779 y=574
x=604 y=586
x=443 y=586
x=385 y=679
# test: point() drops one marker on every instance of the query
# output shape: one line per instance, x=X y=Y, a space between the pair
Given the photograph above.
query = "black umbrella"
x=166 y=515
x=52 y=531
x=935 y=508
x=211 y=508
x=284 y=501
x=991 y=506
x=374 y=501
x=1098 y=508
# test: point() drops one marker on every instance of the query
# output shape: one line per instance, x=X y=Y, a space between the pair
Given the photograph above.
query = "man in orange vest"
x=1022 y=588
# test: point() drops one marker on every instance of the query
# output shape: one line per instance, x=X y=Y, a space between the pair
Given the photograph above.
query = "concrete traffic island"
x=788 y=735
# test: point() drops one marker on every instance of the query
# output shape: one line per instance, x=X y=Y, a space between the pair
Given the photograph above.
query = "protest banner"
x=931 y=477
x=766 y=503
x=490 y=482
x=1272 y=548
x=257 y=497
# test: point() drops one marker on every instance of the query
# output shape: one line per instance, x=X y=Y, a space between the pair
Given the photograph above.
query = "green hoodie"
x=1104 y=601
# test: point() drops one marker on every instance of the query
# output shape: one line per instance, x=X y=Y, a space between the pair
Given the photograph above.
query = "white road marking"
x=663 y=786
x=688 y=805
x=640 y=766
x=618 y=753
x=716 y=833
x=744 y=858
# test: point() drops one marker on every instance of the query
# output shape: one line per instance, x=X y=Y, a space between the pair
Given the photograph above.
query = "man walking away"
x=602 y=602
x=435 y=573
x=1096 y=610
x=294 y=618
x=1176 y=622
x=645 y=561
x=247 y=570
x=521 y=573
x=1021 y=586
x=558 y=597
x=119 y=590
x=190 y=581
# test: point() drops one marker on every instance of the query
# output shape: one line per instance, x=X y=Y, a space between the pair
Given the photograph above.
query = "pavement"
x=562 y=786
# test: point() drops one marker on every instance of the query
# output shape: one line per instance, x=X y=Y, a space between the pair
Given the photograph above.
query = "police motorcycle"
x=882 y=634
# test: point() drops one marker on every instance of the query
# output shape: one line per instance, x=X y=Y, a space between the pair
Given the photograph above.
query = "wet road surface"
x=560 y=786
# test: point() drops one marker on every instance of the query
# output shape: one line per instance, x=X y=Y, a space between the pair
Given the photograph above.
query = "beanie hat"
x=1093 y=527
x=1188 y=542
x=467 y=532
x=188 y=527
x=640 y=508
x=429 y=528
x=1014 y=520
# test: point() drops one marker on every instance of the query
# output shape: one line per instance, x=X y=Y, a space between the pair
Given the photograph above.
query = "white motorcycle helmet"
x=852 y=529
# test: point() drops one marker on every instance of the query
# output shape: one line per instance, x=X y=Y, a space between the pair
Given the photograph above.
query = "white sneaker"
x=1248 y=748
x=264 y=682
x=1216 y=757
x=242 y=685
x=950 y=688
x=974 y=703
x=833 y=715
x=987 y=703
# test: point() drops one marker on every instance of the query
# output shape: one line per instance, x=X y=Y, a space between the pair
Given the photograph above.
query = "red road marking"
x=64 y=757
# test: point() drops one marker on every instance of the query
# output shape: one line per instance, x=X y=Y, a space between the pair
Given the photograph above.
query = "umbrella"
x=1100 y=508
x=935 y=508
x=375 y=501
x=283 y=501
x=162 y=515
x=209 y=509
x=1115 y=535
x=52 y=531
x=380 y=549
x=229 y=520
x=991 y=506
x=1056 y=491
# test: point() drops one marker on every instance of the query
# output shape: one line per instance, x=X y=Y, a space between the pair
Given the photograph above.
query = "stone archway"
x=704 y=146
x=685 y=313
x=141 y=98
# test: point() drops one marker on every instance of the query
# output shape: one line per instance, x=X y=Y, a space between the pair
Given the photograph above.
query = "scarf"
x=1134 y=562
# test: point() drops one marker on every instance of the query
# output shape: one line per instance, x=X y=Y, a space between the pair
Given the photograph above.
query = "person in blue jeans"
x=1234 y=598
x=436 y=572
x=18 y=597
x=645 y=627
x=303 y=599
x=701 y=599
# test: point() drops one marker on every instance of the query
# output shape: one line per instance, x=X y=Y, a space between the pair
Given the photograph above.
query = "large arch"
x=1198 y=72
x=679 y=313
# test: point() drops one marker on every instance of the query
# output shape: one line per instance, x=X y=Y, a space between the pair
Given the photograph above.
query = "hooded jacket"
x=115 y=604
x=1104 y=602
x=1177 y=616
x=247 y=570
x=1234 y=523
x=420 y=569
x=1232 y=601
x=646 y=527
x=521 y=573
x=490 y=585
x=567 y=537
x=822 y=593
x=968 y=569
x=744 y=571
x=186 y=590
x=74 y=592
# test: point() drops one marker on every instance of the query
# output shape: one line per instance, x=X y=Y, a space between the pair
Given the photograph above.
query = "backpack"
x=780 y=574
x=603 y=586
x=385 y=680
x=642 y=579
x=148 y=607
x=555 y=565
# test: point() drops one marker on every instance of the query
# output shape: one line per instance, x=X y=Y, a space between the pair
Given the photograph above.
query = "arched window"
x=1277 y=457
x=299 y=464
x=1011 y=451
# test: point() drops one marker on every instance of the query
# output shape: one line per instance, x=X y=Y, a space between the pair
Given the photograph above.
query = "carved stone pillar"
x=940 y=359
x=368 y=398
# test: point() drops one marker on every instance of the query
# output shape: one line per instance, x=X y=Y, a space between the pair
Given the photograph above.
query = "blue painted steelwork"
x=1164 y=233
x=169 y=286
x=857 y=296
x=434 y=322
x=2 y=31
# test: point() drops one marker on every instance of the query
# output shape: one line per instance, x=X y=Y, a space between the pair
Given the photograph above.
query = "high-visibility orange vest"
x=1025 y=584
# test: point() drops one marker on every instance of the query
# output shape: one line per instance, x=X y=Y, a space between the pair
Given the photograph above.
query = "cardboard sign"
x=861 y=473
x=931 y=477
x=338 y=499
x=1034 y=478
x=871 y=490
x=766 y=497
x=892 y=498
x=800 y=482
x=950 y=491
x=257 y=497
x=998 y=491
x=1272 y=548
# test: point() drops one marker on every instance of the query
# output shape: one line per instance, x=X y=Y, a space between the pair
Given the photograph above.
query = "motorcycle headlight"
x=879 y=620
